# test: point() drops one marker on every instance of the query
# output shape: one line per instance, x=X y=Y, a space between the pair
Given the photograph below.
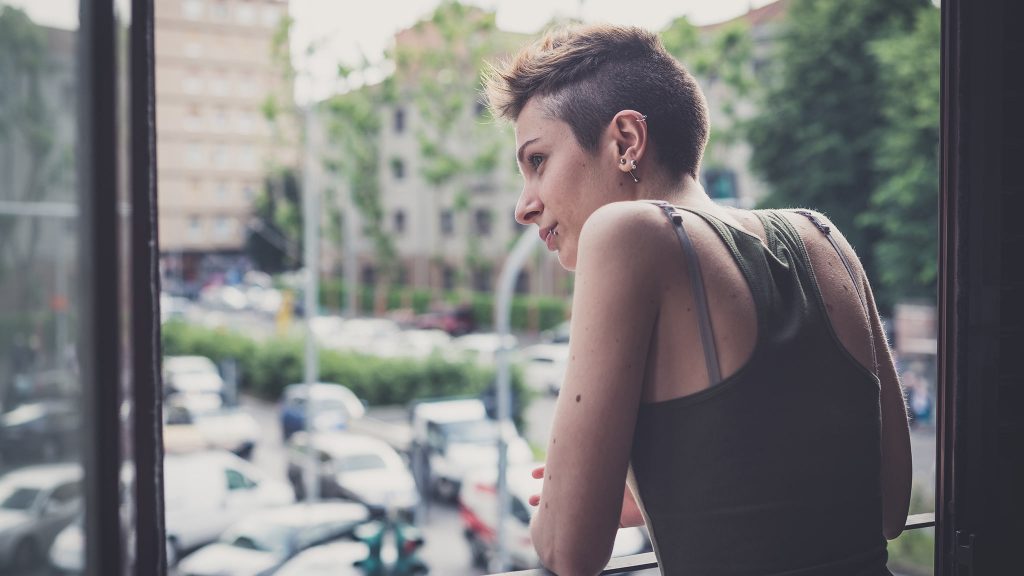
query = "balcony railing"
x=624 y=564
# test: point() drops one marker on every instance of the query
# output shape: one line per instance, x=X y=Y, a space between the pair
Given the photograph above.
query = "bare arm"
x=897 y=464
x=614 y=307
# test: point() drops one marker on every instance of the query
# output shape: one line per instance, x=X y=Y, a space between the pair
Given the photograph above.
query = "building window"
x=482 y=220
x=224 y=228
x=245 y=15
x=399 y=120
x=447 y=223
x=193 y=9
x=194 y=155
x=249 y=191
x=270 y=16
x=194 y=228
x=482 y=278
x=523 y=282
x=192 y=85
x=399 y=221
x=397 y=168
x=219 y=11
x=369 y=275
x=222 y=191
x=193 y=119
x=448 y=278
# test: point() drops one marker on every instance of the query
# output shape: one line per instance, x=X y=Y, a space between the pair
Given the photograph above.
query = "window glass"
x=237 y=480
x=40 y=381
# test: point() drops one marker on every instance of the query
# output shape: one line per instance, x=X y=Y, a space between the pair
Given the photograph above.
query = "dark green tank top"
x=775 y=470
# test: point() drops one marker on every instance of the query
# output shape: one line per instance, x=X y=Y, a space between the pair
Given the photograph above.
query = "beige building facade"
x=214 y=74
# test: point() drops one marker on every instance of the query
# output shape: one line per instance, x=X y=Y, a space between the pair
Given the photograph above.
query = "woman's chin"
x=567 y=260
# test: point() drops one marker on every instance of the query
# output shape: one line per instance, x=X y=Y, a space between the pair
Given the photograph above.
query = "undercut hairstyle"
x=584 y=75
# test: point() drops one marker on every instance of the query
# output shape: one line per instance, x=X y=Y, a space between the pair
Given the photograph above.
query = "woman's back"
x=737 y=477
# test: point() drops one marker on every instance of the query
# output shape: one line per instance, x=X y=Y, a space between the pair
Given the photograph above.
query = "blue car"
x=333 y=406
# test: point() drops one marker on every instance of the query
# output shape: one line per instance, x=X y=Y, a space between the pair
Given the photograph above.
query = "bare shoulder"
x=630 y=231
x=815 y=240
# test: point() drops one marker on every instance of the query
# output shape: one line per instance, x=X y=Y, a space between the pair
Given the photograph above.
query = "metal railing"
x=624 y=564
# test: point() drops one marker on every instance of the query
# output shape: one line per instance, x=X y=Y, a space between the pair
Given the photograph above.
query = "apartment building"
x=451 y=235
x=214 y=74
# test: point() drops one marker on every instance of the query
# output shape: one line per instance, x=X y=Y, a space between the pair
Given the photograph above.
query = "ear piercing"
x=632 y=168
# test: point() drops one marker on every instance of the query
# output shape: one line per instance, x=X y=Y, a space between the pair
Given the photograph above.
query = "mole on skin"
x=578 y=397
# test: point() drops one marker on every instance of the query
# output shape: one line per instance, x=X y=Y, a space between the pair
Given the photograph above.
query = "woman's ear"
x=628 y=136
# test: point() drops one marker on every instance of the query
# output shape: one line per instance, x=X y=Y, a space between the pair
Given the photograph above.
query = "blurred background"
x=375 y=112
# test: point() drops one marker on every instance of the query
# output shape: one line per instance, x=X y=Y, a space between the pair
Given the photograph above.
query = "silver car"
x=36 y=503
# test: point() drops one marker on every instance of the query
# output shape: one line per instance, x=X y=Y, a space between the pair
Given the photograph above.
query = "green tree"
x=440 y=72
x=904 y=205
x=35 y=163
x=821 y=121
x=274 y=241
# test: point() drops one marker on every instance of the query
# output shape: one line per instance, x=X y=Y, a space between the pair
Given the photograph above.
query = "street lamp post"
x=502 y=313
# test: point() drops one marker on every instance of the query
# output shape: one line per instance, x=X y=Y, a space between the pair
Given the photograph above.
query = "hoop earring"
x=632 y=170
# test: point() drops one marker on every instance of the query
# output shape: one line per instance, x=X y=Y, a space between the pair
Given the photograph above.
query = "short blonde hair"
x=587 y=74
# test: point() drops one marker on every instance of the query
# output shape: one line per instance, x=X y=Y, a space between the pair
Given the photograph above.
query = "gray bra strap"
x=707 y=336
x=827 y=232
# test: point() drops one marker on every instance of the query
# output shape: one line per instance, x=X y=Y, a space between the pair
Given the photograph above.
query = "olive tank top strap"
x=707 y=337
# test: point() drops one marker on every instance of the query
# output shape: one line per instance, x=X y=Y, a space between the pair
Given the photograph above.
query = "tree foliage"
x=904 y=205
x=440 y=72
x=36 y=164
x=823 y=119
x=274 y=241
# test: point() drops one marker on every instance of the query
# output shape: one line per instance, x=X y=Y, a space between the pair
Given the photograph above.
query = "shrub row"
x=528 y=312
x=265 y=368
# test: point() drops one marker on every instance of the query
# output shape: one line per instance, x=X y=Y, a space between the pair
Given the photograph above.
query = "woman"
x=730 y=363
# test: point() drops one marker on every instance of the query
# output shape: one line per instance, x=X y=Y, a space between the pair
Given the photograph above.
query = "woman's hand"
x=630 y=515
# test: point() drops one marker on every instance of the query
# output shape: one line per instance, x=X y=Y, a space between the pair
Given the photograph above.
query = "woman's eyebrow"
x=519 y=154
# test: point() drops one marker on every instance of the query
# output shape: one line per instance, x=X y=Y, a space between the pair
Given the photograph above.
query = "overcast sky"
x=342 y=29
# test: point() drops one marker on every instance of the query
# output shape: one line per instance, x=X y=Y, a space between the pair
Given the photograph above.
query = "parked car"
x=544 y=366
x=478 y=506
x=334 y=559
x=333 y=406
x=44 y=430
x=262 y=541
x=206 y=492
x=36 y=503
x=480 y=347
x=230 y=428
x=456 y=436
x=457 y=320
x=191 y=374
x=354 y=467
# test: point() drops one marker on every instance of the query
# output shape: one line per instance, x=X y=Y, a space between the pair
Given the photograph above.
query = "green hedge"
x=265 y=368
x=528 y=312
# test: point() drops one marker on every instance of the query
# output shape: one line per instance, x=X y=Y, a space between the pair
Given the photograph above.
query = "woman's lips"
x=549 y=235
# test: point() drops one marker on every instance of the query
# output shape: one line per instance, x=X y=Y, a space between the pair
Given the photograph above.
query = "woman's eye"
x=535 y=160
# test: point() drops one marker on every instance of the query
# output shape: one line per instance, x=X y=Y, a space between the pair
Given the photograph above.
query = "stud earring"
x=622 y=161
x=632 y=170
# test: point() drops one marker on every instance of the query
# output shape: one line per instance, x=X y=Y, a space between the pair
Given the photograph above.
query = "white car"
x=206 y=492
x=191 y=374
x=262 y=541
x=458 y=437
x=354 y=467
x=334 y=559
x=478 y=500
x=544 y=366
x=36 y=503
x=480 y=347
x=229 y=428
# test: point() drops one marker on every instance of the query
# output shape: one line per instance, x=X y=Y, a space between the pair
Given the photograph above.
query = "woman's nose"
x=528 y=208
